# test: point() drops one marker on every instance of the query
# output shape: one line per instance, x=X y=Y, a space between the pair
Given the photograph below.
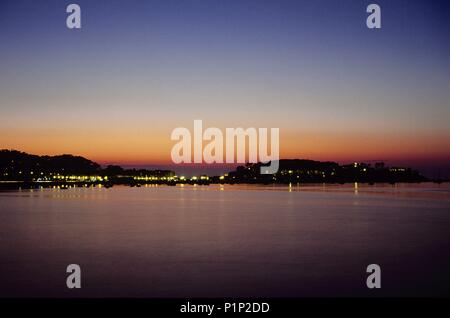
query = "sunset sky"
x=114 y=90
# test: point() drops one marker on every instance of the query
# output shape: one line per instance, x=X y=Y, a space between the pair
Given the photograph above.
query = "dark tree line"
x=310 y=171
x=16 y=165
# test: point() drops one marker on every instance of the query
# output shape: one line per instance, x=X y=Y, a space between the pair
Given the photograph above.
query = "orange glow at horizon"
x=151 y=146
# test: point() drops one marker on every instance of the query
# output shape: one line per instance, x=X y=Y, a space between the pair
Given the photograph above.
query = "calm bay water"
x=226 y=240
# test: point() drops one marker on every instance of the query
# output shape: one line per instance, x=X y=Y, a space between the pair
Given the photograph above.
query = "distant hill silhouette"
x=16 y=165
x=20 y=164
x=310 y=171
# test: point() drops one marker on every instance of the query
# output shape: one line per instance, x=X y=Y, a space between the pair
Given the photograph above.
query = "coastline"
x=18 y=185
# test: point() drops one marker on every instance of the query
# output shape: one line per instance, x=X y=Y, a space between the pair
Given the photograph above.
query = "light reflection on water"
x=226 y=240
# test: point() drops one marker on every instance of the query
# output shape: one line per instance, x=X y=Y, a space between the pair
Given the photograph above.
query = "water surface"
x=161 y=241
